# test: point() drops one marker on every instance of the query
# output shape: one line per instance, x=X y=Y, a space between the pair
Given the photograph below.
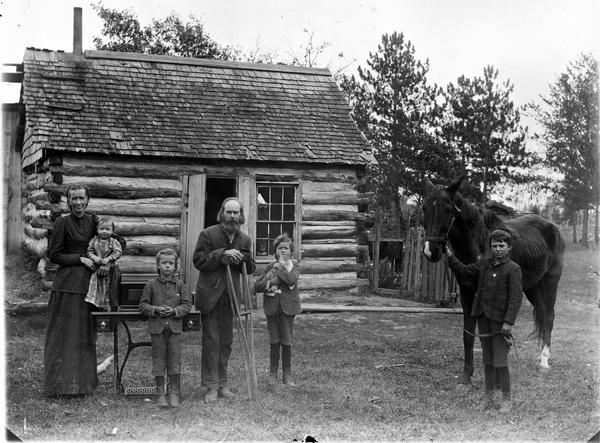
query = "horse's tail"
x=543 y=316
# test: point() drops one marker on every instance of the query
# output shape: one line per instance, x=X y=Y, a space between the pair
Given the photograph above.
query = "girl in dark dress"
x=70 y=347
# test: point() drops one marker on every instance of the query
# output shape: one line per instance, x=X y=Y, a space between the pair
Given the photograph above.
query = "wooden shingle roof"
x=163 y=106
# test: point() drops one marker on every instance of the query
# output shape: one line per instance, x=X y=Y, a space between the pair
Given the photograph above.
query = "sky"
x=529 y=41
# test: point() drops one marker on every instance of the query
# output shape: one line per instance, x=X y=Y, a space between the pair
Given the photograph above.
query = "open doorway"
x=217 y=190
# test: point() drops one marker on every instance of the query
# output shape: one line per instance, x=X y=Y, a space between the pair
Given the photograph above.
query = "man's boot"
x=286 y=363
x=161 y=399
x=505 y=404
x=225 y=393
x=174 y=389
x=211 y=395
x=274 y=361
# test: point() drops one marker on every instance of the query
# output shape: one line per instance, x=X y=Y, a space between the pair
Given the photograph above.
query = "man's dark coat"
x=212 y=280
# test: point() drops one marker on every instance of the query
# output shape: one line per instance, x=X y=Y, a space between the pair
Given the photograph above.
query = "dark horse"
x=537 y=247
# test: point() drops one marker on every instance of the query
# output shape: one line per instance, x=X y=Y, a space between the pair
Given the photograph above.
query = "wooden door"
x=194 y=216
x=247 y=195
x=11 y=204
x=194 y=189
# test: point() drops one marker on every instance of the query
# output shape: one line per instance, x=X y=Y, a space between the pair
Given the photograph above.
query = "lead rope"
x=510 y=339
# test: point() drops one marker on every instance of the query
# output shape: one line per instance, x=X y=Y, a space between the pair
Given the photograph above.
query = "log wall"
x=144 y=199
x=329 y=233
x=144 y=203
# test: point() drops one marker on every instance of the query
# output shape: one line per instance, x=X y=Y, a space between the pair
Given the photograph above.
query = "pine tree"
x=397 y=110
x=485 y=131
x=570 y=119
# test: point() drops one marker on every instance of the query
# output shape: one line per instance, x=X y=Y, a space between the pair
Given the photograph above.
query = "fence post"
x=405 y=261
x=421 y=279
x=419 y=258
x=415 y=272
x=411 y=266
x=439 y=281
x=375 y=283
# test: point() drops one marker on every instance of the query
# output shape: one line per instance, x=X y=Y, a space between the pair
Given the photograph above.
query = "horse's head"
x=438 y=217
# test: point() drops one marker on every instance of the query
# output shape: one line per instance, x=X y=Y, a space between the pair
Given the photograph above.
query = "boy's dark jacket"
x=499 y=288
x=160 y=291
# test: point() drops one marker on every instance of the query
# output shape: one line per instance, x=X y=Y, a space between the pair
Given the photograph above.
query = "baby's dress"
x=98 y=290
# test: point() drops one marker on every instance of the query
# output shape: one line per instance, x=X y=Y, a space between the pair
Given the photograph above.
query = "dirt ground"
x=340 y=393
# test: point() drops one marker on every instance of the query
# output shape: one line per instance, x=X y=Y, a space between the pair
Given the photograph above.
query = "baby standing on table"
x=279 y=283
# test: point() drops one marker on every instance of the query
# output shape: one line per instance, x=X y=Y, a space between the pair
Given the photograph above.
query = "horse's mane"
x=472 y=217
x=528 y=242
x=498 y=207
x=469 y=213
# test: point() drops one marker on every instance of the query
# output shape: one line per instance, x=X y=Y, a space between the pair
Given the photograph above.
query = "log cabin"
x=160 y=141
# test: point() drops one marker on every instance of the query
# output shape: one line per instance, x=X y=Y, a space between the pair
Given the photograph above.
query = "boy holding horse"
x=496 y=305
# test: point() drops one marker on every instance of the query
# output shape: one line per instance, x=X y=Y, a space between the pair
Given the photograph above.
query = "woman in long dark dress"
x=70 y=348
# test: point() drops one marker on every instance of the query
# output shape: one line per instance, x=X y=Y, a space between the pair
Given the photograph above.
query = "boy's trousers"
x=166 y=352
x=495 y=348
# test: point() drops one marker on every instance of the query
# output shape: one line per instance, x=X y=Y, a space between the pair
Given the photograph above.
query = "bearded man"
x=219 y=246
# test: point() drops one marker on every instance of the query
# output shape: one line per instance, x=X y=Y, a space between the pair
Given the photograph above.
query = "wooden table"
x=105 y=321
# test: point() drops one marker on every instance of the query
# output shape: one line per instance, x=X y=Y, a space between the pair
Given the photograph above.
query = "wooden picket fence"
x=422 y=280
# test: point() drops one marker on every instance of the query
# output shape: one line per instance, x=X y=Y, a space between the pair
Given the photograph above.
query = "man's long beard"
x=231 y=226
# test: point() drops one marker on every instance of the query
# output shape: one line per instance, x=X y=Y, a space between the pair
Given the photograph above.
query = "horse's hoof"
x=544 y=369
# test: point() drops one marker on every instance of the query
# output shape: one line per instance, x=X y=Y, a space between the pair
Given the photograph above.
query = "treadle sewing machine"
x=132 y=286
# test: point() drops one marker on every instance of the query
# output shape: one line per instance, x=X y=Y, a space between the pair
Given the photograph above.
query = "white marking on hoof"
x=426 y=250
x=544 y=356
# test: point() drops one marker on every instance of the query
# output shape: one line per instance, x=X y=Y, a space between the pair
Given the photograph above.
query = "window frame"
x=297 y=218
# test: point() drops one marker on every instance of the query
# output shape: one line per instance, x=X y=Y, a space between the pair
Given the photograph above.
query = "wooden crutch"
x=249 y=366
x=249 y=323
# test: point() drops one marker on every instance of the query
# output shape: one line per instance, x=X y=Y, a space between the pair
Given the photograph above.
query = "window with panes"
x=276 y=214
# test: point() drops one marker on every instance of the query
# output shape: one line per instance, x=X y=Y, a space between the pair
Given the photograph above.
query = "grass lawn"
x=340 y=395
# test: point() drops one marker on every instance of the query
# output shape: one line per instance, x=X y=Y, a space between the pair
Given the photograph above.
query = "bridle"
x=444 y=239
